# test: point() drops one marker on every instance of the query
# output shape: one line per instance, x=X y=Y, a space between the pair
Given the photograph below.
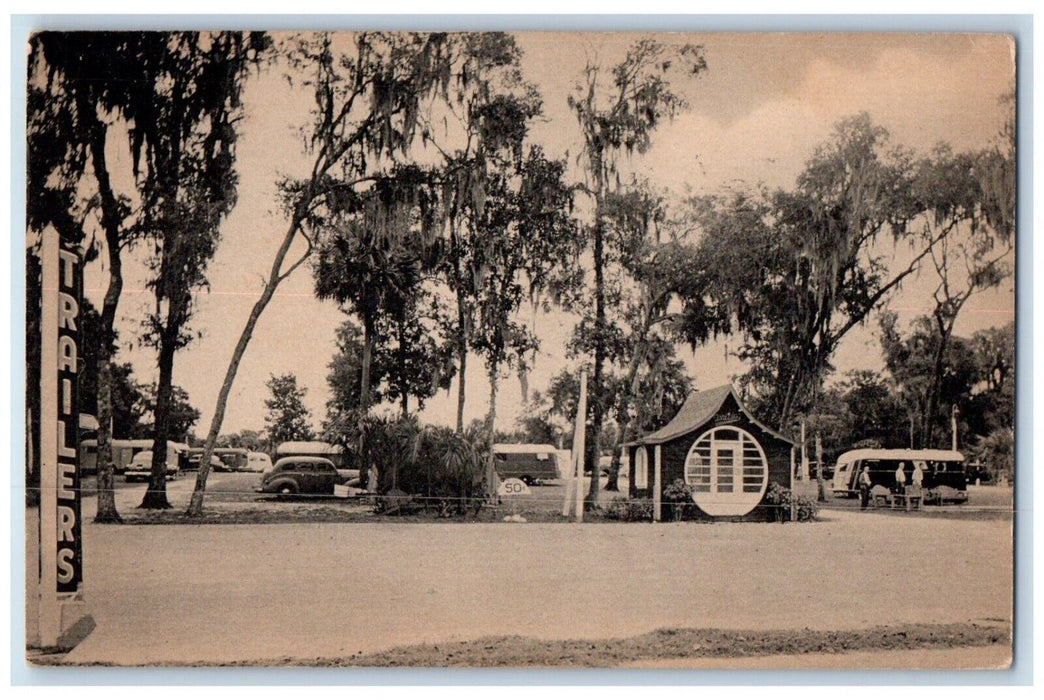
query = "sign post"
x=657 y=486
x=61 y=543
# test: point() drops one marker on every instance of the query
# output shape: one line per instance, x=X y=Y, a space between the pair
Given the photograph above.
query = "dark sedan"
x=303 y=475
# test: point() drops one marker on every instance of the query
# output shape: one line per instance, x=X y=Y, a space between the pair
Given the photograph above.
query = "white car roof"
x=926 y=455
x=308 y=448
x=301 y=458
x=519 y=449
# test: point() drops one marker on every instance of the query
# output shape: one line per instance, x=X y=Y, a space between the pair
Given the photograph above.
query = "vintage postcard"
x=520 y=349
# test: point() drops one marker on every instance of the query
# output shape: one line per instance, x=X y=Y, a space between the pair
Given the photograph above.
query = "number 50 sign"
x=512 y=487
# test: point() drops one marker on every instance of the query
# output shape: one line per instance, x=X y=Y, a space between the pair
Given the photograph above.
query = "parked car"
x=304 y=475
x=258 y=462
x=314 y=448
x=140 y=466
x=190 y=462
x=230 y=459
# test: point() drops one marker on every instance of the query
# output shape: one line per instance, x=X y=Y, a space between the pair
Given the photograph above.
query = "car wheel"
x=527 y=480
x=287 y=490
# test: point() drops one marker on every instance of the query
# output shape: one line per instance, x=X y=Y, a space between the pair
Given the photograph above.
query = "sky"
x=756 y=115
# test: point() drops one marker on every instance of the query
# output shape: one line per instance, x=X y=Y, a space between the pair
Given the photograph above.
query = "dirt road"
x=237 y=592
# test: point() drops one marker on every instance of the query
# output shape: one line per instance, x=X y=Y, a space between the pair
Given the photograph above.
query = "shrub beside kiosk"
x=723 y=454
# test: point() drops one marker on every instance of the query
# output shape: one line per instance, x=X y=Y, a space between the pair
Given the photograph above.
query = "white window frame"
x=641 y=468
x=716 y=493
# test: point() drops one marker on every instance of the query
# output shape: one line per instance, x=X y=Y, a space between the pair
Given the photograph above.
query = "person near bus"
x=864 y=488
x=917 y=478
x=900 y=478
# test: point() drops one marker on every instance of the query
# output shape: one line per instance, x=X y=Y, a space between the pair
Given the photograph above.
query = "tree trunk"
x=403 y=382
x=156 y=494
x=107 y=512
x=626 y=432
x=784 y=413
x=932 y=404
x=462 y=357
x=367 y=361
x=598 y=393
x=195 y=509
x=613 y=482
x=364 y=394
x=491 y=418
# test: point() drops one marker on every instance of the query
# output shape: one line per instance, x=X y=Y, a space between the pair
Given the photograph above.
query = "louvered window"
x=727 y=471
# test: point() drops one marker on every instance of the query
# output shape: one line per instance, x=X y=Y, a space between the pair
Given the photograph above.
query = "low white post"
x=656 y=485
x=570 y=480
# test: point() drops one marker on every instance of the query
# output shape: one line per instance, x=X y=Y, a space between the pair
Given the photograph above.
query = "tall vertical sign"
x=61 y=544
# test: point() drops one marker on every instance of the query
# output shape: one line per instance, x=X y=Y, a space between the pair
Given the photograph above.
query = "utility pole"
x=953 y=427
x=804 y=452
x=819 y=469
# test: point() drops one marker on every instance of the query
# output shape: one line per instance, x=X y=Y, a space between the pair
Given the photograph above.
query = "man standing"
x=914 y=492
x=917 y=478
x=864 y=488
x=900 y=478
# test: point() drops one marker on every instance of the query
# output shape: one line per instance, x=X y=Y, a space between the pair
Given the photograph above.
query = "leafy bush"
x=433 y=464
x=628 y=511
x=780 y=499
x=677 y=501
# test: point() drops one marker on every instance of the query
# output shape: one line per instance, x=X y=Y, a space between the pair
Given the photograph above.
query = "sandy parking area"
x=237 y=592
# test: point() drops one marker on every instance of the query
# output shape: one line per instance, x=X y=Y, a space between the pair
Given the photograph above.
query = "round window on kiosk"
x=727 y=471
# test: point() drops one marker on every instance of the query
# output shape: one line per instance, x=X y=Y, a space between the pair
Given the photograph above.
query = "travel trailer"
x=123 y=452
x=530 y=463
x=944 y=472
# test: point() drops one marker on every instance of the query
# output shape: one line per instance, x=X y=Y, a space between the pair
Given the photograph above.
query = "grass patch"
x=669 y=643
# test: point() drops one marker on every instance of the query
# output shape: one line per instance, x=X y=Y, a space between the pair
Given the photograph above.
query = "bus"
x=944 y=479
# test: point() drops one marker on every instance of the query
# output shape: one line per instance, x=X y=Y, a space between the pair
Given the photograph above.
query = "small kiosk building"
x=720 y=450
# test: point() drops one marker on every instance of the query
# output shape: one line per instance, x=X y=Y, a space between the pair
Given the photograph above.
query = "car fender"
x=275 y=485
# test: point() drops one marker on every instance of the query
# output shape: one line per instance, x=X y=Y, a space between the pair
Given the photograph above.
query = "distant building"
x=720 y=450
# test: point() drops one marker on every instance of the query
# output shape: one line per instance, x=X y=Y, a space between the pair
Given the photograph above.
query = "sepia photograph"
x=519 y=349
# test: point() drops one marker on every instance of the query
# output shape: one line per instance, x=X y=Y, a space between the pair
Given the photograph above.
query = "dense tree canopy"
x=288 y=418
x=430 y=215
